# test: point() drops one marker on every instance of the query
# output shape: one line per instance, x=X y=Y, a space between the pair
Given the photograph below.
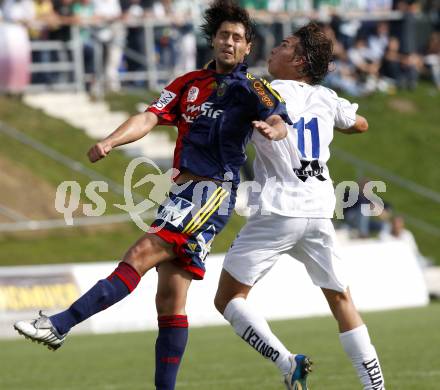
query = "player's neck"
x=221 y=69
x=305 y=80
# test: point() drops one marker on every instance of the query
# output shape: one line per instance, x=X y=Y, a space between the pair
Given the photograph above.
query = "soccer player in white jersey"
x=300 y=205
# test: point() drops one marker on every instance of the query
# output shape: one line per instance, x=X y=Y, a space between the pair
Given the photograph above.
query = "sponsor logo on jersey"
x=310 y=169
x=266 y=83
x=193 y=94
x=254 y=340
x=175 y=211
x=166 y=97
x=258 y=87
x=373 y=371
x=273 y=91
x=194 y=111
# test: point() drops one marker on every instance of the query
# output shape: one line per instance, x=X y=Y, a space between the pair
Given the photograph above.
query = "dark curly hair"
x=226 y=11
x=317 y=50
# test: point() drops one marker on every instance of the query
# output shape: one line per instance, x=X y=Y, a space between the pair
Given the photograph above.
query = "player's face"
x=230 y=46
x=282 y=58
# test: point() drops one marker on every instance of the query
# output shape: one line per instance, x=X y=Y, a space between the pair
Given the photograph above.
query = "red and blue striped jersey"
x=213 y=114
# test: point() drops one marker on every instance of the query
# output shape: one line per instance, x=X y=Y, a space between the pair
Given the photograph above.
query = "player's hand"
x=265 y=129
x=99 y=151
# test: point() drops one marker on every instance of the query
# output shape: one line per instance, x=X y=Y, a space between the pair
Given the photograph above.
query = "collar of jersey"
x=240 y=70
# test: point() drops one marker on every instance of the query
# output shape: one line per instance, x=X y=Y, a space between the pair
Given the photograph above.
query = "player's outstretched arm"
x=360 y=126
x=131 y=130
x=272 y=128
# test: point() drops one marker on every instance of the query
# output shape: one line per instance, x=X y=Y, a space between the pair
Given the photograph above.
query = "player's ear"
x=248 y=48
x=298 y=60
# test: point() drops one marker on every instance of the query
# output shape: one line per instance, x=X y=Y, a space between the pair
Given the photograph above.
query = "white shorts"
x=265 y=237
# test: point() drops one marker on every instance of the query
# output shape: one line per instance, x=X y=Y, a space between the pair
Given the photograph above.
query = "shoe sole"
x=306 y=370
x=52 y=348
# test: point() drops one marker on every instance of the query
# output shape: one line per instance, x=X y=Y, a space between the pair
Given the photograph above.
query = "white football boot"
x=42 y=331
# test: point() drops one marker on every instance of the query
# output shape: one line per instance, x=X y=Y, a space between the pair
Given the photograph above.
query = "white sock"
x=358 y=347
x=255 y=330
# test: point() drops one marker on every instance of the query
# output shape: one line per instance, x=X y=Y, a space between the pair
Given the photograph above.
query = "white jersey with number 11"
x=293 y=172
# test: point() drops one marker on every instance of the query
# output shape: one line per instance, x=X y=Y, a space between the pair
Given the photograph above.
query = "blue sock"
x=102 y=295
x=170 y=346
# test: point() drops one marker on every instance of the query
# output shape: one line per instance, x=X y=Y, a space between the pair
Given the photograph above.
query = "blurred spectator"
x=111 y=34
x=342 y=76
x=347 y=31
x=84 y=16
x=432 y=57
x=177 y=42
x=19 y=11
x=187 y=14
x=166 y=36
x=133 y=13
x=391 y=61
x=61 y=32
x=64 y=18
x=409 y=60
x=14 y=55
x=398 y=232
x=44 y=22
x=264 y=34
x=45 y=19
x=364 y=225
x=378 y=42
x=366 y=67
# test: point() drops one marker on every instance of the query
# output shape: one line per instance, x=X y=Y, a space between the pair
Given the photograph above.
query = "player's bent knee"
x=220 y=302
x=222 y=299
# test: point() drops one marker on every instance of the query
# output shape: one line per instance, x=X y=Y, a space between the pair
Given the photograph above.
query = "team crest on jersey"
x=175 y=211
x=166 y=97
x=221 y=90
x=309 y=169
x=258 y=87
x=193 y=94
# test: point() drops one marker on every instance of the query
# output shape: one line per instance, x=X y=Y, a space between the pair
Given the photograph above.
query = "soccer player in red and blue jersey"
x=215 y=110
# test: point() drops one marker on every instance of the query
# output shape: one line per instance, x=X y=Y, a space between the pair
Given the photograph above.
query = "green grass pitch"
x=408 y=342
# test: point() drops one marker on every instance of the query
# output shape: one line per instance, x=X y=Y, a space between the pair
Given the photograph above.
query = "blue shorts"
x=190 y=218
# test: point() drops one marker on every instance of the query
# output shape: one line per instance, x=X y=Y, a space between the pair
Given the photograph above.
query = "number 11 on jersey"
x=312 y=125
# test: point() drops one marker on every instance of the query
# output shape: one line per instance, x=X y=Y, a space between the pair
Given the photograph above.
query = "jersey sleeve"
x=268 y=101
x=166 y=106
x=345 y=116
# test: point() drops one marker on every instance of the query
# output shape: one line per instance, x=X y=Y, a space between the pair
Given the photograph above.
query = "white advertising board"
x=382 y=276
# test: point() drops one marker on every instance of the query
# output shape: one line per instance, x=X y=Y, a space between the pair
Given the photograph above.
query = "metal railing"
x=153 y=74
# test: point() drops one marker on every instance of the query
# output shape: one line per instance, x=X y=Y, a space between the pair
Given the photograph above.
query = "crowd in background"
x=381 y=55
